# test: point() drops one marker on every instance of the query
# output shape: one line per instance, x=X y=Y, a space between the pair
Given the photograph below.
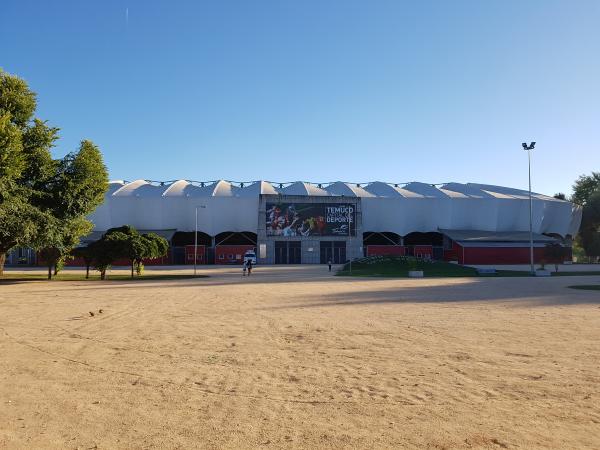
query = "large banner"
x=311 y=219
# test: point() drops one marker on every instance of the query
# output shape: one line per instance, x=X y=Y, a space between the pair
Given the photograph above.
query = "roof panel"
x=494 y=236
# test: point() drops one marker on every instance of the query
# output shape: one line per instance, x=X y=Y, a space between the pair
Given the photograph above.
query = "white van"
x=250 y=255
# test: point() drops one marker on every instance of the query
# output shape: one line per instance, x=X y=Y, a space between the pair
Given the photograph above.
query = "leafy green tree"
x=154 y=247
x=554 y=252
x=136 y=247
x=41 y=197
x=59 y=238
x=584 y=187
x=85 y=253
x=104 y=252
x=589 y=232
x=130 y=243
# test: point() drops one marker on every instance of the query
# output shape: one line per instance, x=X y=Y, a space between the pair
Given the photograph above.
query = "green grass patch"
x=398 y=267
x=16 y=277
x=575 y=273
x=587 y=287
x=389 y=266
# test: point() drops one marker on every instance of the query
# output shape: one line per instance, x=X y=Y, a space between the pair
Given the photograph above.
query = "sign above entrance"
x=311 y=219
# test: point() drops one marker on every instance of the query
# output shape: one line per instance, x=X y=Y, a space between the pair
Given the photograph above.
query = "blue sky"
x=430 y=91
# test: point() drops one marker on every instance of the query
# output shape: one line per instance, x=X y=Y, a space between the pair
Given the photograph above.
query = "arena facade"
x=303 y=222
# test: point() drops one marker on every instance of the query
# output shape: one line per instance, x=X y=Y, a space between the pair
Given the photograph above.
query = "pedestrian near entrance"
x=329 y=264
x=249 y=267
x=244 y=267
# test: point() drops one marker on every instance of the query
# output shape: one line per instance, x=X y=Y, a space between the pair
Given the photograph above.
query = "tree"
x=58 y=239
x=137 y=247
x=104 y=252
x=589 y=231
x=584 y=187
x=129 y=242
x=43 y=201
x=554 y=252
x=155 y=246
x=85 y=253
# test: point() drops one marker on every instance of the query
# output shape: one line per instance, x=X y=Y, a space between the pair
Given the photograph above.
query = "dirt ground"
x=297 y=358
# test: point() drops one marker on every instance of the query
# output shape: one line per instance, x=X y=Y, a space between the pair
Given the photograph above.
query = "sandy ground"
x=296 y=358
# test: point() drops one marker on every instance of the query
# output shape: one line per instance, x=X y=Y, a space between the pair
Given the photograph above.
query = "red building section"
x=231 y=254
x=200 y=254
x=386 y=250
x=489 y=255
x=423 y=251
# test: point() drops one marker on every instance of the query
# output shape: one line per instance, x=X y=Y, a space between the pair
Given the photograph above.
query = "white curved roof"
x=399 y=208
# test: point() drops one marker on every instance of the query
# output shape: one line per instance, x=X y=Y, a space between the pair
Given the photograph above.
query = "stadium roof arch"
x=400 y=208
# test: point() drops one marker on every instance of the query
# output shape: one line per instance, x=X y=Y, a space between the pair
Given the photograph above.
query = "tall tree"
x=76 y=188
x=85 y=253
x=129 y=242
x=154 y=246
x=555 y=254
x=136 y=247
x=584 y=187
x=43 y=201
x=104 y=252
x=589 y=232
x=59 y=238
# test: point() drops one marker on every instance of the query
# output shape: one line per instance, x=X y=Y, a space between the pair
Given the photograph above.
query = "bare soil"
x=296 y=358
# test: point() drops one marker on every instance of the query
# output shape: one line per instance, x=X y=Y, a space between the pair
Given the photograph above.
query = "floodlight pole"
x=350 y=240
x=196 y=242
x=196 y=239
x=528 y=149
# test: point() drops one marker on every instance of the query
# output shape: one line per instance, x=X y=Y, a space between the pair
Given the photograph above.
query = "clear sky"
x=396 y=91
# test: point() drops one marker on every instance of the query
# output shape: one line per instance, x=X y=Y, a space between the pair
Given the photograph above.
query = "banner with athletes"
x=310 y=219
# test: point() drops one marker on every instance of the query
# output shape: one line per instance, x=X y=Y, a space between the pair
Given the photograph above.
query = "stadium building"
x=300 y=222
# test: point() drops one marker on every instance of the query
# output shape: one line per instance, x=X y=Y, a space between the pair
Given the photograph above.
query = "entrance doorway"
x=334 y=251
x=288 y=252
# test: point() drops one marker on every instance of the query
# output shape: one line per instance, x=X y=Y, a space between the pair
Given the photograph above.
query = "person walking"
x=249 y=267
x=329 y=264
x=244 y=267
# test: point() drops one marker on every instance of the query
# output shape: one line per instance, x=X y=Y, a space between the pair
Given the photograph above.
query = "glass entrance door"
x=294 y=252
x=281 y=252
x=339 y=252
x=288 y=252
x=326 y=252
x=334 y=251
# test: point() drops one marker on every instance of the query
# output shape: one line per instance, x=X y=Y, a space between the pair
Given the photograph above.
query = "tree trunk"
x=55 y=270
x=2 y=260
x=49 y=271
x=87 y=271
x=132 y=266
x=103 y=274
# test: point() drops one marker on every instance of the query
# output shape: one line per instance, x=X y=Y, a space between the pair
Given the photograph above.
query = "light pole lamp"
x=196 y=238
x=528 y=149
x=350 y=237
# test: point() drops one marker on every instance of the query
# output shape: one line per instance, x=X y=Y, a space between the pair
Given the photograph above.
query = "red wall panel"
x=231 y=254
x=189 y=254
x=503 y=255
x=389 y=250
x=423 y=251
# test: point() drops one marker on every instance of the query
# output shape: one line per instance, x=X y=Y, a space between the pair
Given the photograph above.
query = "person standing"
x=329 y=264
x=244 y=267
x=249 y=267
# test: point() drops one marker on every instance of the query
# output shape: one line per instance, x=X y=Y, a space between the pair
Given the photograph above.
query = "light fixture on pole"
x=350 y=237
x=528 y=149
x=196 y=239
